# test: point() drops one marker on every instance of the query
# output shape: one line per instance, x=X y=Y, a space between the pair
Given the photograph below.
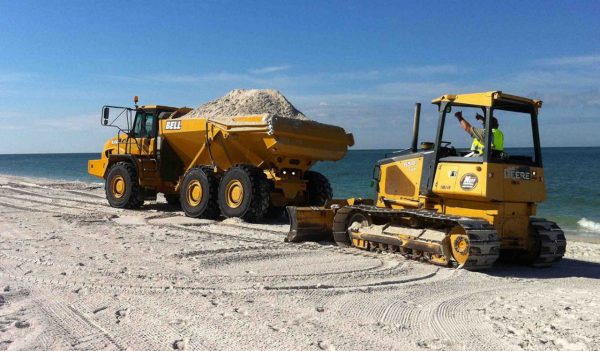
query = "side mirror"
x=105 y=113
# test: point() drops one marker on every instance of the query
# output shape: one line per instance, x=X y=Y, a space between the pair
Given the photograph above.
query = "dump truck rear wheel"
x=122 y=187
x=245 y=192
x=319 y=188
x=198 y=193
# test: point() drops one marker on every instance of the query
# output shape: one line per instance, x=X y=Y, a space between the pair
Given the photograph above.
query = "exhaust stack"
x=417 y=119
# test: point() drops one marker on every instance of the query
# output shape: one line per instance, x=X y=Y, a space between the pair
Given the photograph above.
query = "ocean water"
x=572 y=179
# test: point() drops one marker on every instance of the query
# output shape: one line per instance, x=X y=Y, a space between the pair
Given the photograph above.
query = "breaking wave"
x=589 y=225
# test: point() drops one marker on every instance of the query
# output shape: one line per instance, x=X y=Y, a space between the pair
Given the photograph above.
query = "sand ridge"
x=78 y=274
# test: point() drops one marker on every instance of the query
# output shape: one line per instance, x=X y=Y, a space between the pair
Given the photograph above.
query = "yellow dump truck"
x=247 y=166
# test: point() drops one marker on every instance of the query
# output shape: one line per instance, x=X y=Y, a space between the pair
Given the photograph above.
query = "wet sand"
x=78 y=274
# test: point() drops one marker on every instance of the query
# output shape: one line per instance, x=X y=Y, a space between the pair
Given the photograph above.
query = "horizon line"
x=371 y=149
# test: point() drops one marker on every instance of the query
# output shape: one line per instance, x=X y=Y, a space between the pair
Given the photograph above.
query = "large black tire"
x=173 y=199
x=122 y=186
x=318 y=188
x=245 y=192
x=198 y=193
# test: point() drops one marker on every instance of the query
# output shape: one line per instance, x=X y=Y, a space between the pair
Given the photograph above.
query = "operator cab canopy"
x=521 y=134
x=492 y=99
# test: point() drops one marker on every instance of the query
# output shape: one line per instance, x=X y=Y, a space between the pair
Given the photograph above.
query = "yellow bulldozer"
x=247 y=166
x=461 y=208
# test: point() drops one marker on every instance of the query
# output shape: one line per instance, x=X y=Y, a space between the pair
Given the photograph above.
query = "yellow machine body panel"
x=400 y=182
x=489 y=182
x=97 y=168
x=120 y=145
x=257 y=140
x=503 y=194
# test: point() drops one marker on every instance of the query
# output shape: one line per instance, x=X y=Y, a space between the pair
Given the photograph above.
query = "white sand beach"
x=78 y=274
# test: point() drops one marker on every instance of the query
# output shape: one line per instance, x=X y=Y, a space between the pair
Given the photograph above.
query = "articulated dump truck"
x=446 y=206
x=249 y=167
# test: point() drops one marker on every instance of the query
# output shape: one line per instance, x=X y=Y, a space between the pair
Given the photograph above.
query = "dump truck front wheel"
x=244 y=192
x=198 y=193
x=319 y=189
x=122 y=187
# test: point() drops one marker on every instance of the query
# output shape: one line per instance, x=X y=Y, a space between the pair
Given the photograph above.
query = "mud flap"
x=310 y=224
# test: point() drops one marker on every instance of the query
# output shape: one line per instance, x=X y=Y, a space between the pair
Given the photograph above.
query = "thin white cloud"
x=259 y=77
x=16 y=77
x=89 y=122
x=432 y=69
x=84 y=122
x=270 y=69
x=571 y=60
x=201 y=79
x=387 y=73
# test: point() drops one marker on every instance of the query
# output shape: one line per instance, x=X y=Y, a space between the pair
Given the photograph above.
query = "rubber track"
x=484 y=242
x=553 y=242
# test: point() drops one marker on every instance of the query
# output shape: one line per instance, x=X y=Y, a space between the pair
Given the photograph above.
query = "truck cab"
x=138 y=141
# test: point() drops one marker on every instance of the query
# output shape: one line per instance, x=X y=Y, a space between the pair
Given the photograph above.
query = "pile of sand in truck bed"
x=244 y=102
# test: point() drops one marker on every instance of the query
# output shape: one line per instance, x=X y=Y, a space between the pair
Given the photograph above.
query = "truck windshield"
x=143 y=126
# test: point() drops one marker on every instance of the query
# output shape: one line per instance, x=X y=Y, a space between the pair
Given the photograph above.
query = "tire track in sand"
x=37 y=194
x=66 y=321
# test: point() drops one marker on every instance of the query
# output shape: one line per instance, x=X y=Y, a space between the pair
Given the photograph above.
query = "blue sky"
x=359 y=64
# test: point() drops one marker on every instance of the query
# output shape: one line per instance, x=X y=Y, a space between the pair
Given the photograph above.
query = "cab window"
x=149 y=126
x=144 y=125
x=518 y=137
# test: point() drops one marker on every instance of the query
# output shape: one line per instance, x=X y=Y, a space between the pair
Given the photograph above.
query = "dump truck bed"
x=262 y=140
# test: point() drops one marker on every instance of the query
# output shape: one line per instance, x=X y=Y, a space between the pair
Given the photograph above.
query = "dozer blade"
x=315 y=223
x=309 y=223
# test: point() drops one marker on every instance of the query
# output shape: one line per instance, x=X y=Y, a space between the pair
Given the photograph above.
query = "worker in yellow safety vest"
x=478 y=134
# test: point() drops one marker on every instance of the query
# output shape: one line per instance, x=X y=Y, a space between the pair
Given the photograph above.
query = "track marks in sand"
x=50 y=206
x=256 y=257
x=230 y=284
x=524 y=318
x=443 y=313
x=38 y=194
x=25 y=209
x=70 y=323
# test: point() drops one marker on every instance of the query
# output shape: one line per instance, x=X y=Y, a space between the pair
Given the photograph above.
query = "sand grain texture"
x=78 y=274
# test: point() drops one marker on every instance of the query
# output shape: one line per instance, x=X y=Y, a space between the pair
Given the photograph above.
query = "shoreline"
x=369 y=149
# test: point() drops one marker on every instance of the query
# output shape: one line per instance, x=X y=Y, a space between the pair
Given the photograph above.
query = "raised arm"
x=463 y=122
